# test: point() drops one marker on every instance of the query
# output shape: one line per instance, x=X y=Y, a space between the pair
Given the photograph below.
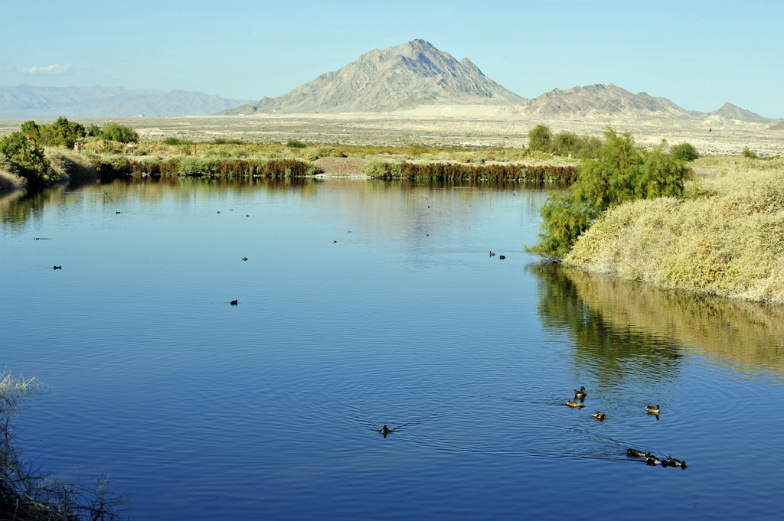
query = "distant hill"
x=597 y=101
x=396 y=78
x=28 y=102
x=730 y=111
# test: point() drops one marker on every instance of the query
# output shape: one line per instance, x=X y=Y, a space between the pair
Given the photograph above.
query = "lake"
x=362 y=304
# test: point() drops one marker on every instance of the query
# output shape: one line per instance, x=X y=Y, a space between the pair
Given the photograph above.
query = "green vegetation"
x=26 y=159
x=749 y=154
x=565 y=144
x=293 y=143
x=25 y=493
x=621 y=172
x=441 y=171
x=727 y=240
x=684 y=152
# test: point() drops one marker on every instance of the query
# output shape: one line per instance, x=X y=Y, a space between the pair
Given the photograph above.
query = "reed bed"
x=449 y=171
x=727 y=240
x=205 y=167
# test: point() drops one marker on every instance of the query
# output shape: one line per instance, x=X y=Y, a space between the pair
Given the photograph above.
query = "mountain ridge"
x=29 y=102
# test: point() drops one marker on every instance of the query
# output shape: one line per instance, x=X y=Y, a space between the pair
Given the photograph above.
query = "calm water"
x=363 y=304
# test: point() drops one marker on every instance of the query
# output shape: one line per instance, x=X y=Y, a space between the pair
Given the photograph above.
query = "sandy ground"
x=466 y=126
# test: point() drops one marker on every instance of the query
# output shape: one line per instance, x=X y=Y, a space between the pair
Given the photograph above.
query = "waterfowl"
x=637 y=453
x=233 y=302
x=581 y=394
x=651 y=460
x=334 y=242
x=599 y=416
x=672 y=462
x=574 y=404
x=57 y=267
x=385 y=430
x=652 y=409
x=502 y=257
x=492 y=253
x=244 y=258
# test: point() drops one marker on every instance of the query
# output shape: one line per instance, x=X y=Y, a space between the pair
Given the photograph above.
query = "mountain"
x=27 y=102
x=395 y=78
x=730 y=111
x=600 y=101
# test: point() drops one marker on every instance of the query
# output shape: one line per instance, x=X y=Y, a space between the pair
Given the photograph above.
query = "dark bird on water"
x=599 y=416
x=233 y=302
x=385 y=430
x=57 y=267
x=581 y=394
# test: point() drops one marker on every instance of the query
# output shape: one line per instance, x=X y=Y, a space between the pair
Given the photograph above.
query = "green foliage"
x=120 y=133
x=684 y=152
x=293 y=143
x=176 y=141
x=749 y=154
x=621 y=172
x=540 y=139
x=27 y=157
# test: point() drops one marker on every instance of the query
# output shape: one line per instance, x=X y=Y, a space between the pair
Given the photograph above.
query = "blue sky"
x=698 y=54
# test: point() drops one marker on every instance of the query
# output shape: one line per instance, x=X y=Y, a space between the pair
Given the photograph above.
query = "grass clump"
x=728 y=242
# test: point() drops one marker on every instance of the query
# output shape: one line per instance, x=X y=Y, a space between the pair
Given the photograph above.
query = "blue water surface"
x=363 y=304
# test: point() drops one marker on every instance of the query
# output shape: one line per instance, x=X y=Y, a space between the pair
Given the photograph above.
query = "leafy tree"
x=540 y=139
x=28 y=158
x=621 y=172
x=120 y=133
x=62 y=133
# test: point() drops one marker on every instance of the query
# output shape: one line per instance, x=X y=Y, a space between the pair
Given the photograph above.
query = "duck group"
x=650 y=459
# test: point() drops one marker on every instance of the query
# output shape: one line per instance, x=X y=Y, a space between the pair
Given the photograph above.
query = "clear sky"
x=698 y=54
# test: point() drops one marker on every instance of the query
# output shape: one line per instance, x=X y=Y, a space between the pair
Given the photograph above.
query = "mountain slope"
x=598 y=101
x=401 y=77
x=25 y=102
x=730 y=111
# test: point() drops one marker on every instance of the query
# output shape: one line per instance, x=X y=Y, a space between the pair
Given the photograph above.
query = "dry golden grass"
x=728 y=240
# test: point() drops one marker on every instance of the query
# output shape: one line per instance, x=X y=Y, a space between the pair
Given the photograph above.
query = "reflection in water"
x=614 y=352
x=745 y=334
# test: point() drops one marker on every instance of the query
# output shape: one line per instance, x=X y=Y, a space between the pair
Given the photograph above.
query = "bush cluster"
x=621 y=172
x=442 y=171
x=541 y=139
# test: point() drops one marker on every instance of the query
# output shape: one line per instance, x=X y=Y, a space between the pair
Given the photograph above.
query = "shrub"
x=622 y=172
x=749 y=154
x=684 y=152
x=540 y=139
x=27 y=158
x=293 y=143
x=120 y=133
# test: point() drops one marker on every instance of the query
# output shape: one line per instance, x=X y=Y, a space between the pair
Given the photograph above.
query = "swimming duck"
x=502 y=257
x=651 y=460
x=244 y=258
x=652 y=409
x=599 y=416
x=385 y=430
x=637 y=453
x=581 y=394
x=672 y=462
x=233 y=302
x=574 y=404
x=57 y=267
x=492 y=253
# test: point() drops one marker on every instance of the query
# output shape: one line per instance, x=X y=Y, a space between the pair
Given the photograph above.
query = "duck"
x=385 y=430
x=652 y=409
x=574 y=404
x=672 y=462
x=599 y=416
x=502 y=257
x=244 y=258
x=57 y=267
x=637 y=453
x=651 y=460
x=492 y=253
x=581 y=394
x=233 y=302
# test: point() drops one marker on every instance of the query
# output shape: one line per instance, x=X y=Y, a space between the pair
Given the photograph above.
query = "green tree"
x=120 y=133
x=621 y=172
x=27 y=157
x=62 y=133
x=540 y=139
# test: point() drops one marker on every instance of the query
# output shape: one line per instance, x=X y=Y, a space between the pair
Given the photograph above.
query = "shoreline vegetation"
x=27 y=493
x=630 y=212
